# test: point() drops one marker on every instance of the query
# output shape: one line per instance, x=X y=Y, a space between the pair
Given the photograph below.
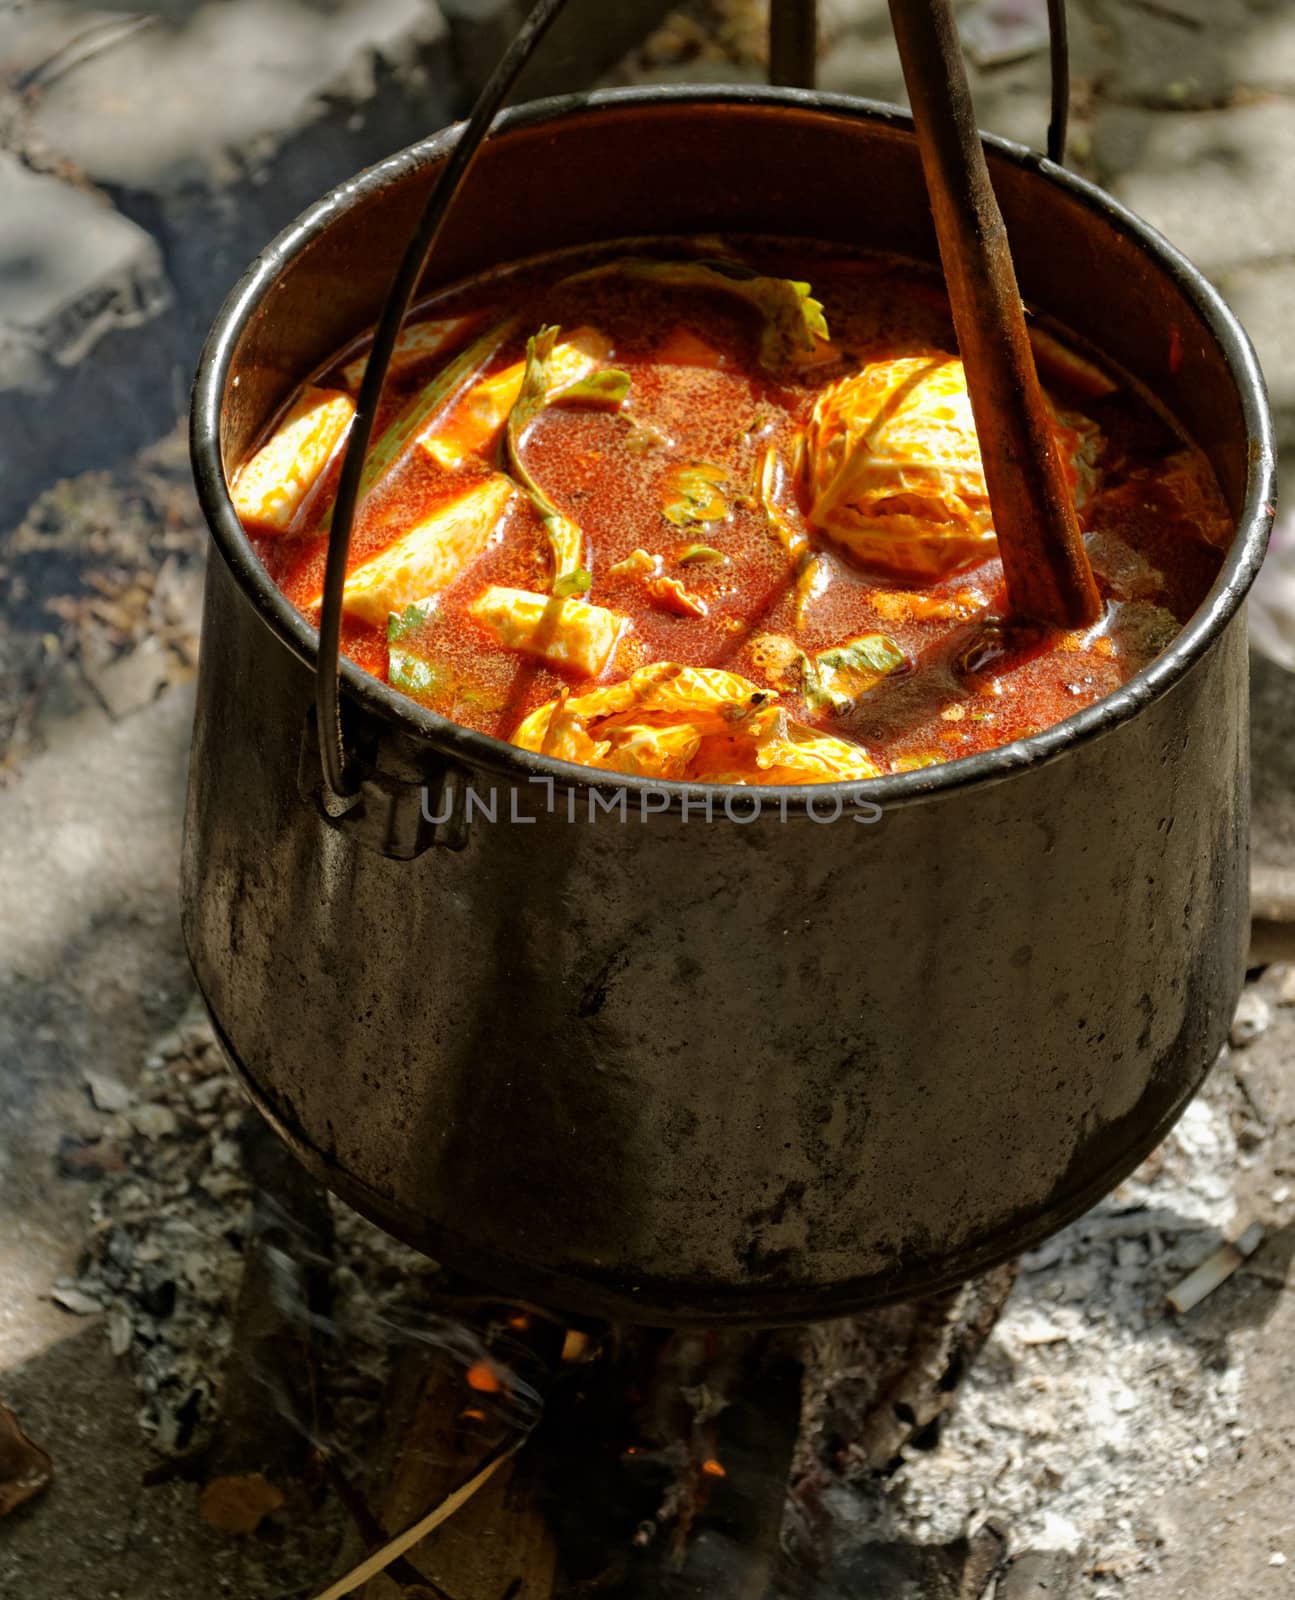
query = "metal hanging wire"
x=1059 y=65
x=793 y=54
x=339 y=777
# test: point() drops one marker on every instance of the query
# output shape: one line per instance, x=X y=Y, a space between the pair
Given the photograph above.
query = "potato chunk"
x=269 y=489
x=567 y=633
x=429 y=556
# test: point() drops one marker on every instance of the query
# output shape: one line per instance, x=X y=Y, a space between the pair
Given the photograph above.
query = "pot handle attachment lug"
x=395 y=814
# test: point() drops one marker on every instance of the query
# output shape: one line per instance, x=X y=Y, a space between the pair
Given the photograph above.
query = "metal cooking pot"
x=640 y=1064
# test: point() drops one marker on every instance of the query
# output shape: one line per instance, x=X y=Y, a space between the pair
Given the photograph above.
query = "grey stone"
x=1209 y=180
x=211 y=126
x=153 y=1121
x=172 y=104
x=75 y=1300
x=70 y=268
x=1253 y=1017
x=38 y=36
x=216 y=125
x=86 y=312
x=1263 y=53
x=133 y=680
x=108 y=1093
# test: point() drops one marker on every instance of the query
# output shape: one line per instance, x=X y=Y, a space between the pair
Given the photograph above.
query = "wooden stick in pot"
x=1048 y=576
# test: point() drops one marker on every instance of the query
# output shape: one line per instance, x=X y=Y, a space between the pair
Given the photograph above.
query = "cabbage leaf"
x=794 y=323
x=540 y=388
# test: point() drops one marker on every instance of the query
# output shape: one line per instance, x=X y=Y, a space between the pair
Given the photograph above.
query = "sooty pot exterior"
x=601 y=1048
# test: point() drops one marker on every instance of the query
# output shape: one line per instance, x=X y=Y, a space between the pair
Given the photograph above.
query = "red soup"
x=689 y=515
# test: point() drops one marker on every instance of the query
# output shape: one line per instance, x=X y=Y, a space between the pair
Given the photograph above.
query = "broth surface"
x=694 y=497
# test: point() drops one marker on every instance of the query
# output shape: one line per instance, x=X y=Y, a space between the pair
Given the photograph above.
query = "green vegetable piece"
x=425 y=406
x=793 y=319
x=412 y=674
x=875 y=655
x=699 y=499
x=408 y=669
x=566 y=538
x=578 y=582
x=816 y=694
x=836 y=678
x=400 y=624
x=698 y=553
x=605 y=390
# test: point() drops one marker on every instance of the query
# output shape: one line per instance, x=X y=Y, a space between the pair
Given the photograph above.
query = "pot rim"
x=483 y=751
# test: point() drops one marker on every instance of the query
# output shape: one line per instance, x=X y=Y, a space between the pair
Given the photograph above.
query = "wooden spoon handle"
x=1048 y=576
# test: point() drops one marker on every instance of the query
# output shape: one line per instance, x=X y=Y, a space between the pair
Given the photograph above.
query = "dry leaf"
x=25 y=1469
x=239 y=1504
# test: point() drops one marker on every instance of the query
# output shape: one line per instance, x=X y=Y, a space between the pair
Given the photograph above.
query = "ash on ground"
x=1088 y=1399
x=172 y=1223
x=1091 y=1400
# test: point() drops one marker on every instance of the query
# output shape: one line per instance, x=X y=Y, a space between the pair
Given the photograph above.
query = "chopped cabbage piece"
x=638 y=564
x=835 y=679
x=893 y=470
x=784 y=752
x=567 y=633
x=408 y=668
x=910 y=605
x=768 y=487
x=426 y=558
x=544 y=381
x=697 y=490
x=653 y=751
x=690 y=723
x=269 y=490
x=670 y=595
x=794 y=324
x=580 y=581
x=847 y=671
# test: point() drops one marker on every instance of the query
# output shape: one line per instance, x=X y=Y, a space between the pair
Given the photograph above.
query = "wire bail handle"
x=793 y=54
